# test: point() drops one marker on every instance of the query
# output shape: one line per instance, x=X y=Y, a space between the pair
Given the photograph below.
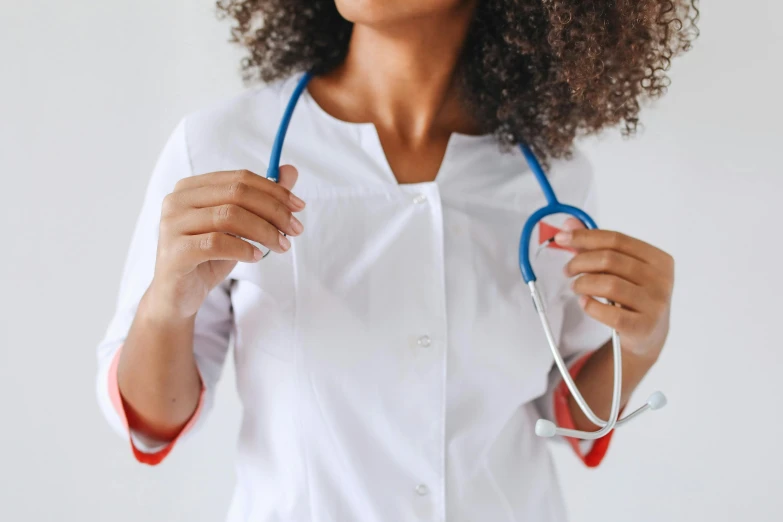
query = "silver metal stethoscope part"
x=546 y=428
x=266 y=251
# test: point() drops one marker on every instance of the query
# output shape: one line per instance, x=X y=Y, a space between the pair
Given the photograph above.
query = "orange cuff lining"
x=564 y=419
x=116 y=400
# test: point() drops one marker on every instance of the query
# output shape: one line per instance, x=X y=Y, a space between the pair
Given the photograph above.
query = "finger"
x=216 y=246
x=248 y=178
x=613 y=288
x=288 y=177
x=620 y=319
x=607 y=239
x=259 y=203
x=232 y=219
x=611 y=262
x=573 y=224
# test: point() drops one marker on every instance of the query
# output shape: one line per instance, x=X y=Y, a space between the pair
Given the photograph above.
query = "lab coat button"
x=420 y=198
x=424 y=341
x=422 y=490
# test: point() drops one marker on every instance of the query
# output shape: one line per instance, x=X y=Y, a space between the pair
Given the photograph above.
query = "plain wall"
x=91 y=90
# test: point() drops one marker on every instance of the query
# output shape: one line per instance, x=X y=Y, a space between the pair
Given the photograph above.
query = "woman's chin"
x=375 y=12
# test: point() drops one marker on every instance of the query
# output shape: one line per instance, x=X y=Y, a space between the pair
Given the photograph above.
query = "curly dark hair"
x=536 y=71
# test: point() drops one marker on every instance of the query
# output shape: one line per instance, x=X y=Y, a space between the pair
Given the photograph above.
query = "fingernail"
x=583 y=300
x=563 y=237
x=285 y=244
x=296 y=225
x=298 y=203
x=257 y=254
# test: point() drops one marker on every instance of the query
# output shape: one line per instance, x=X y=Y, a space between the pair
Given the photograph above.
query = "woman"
x=388 y=360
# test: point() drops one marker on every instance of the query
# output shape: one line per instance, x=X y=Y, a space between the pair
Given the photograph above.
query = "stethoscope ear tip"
x=656 y=401
x=545 y=428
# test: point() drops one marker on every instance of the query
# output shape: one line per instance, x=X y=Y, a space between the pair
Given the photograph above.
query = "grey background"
x=89 y=92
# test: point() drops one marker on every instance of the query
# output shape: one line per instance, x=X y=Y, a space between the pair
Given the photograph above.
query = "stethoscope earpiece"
x=656 y=401
x=545 y=428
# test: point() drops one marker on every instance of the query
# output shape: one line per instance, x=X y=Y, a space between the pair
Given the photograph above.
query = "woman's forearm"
x=157 y=375
x=595 y=381
x=202 y=226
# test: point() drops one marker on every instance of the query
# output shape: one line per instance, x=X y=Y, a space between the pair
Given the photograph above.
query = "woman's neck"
x=400 y=76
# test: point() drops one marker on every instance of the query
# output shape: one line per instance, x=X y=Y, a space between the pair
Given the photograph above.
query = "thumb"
x=288 y=176
x=573 y=224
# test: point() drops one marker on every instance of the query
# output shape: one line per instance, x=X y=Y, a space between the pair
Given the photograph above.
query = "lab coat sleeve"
x=579 y=336
x=213 y=323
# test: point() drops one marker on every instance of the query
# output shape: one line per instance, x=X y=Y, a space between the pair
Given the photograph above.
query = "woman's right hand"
x=200 y=220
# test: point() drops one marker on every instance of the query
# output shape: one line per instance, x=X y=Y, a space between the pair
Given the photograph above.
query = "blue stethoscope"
x=544 y=428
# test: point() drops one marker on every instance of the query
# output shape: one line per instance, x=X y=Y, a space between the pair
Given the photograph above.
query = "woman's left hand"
x=631 y=273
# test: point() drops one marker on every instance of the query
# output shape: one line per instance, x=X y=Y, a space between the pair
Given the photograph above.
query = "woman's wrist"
x=159 y=307
x=637 y=362
x=634 y=361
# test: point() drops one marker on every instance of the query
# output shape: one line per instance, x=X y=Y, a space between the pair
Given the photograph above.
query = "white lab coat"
x=390 y=365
